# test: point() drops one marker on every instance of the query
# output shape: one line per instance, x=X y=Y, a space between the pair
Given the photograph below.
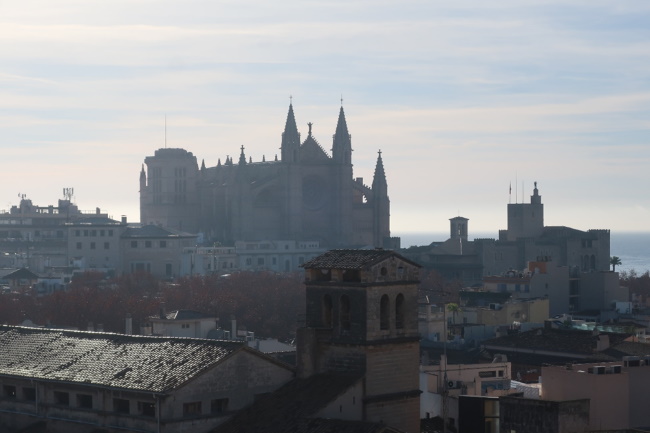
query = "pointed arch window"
x=344 y=308
x=384 y=313
x=399 y=312
x=327 y=311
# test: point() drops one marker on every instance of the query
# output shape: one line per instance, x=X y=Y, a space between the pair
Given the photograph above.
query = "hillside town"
x=270 y=296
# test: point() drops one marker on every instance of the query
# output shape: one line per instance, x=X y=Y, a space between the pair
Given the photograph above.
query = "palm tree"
x=454 y=309
x=615 y=260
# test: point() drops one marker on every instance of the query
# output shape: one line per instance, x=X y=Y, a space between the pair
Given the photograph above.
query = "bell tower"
x=361 y=318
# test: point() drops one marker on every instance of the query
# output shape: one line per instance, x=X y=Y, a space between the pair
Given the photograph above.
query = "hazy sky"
x=462 y=98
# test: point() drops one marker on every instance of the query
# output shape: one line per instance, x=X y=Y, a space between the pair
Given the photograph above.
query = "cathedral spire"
x=379 y=180
x=342 y=146
x=290 y=138
x=242 y=157
x=203 y=165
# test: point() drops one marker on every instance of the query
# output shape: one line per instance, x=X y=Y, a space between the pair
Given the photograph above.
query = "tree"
x=454 y=309
x=614 y=261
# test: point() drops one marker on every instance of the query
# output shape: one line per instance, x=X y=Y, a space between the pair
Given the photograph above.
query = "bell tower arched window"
x=384 y=313
x=344 y=308
x=327 y=311
x=399 y=312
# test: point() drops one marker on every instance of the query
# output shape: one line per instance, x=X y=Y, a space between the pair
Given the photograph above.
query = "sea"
x=633 y=248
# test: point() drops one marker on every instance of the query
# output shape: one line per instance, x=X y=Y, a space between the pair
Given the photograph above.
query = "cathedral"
x=305 y=195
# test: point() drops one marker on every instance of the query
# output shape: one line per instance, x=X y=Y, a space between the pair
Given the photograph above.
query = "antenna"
x=68 y=193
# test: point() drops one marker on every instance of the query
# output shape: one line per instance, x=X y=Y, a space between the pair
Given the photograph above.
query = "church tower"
x=361 y=319
x=342 y=180
x=290 y=148
x=381 y=205
x=291 y=181
x=526 y=220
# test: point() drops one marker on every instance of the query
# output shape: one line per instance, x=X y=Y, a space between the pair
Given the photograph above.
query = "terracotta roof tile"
x=155 y=364
x=351 y=259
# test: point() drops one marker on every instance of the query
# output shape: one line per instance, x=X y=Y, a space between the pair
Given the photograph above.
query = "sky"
x=467 y=100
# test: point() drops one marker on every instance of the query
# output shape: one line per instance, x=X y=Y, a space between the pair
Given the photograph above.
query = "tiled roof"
x=555 y=340
x=289 y=409
x=155 y=364
x=17 y=274
x=352 y=259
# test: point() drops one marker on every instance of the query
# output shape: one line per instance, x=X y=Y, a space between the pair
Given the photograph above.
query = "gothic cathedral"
x=306 y=195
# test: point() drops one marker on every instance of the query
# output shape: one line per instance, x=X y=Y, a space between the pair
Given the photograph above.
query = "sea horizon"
x=632 y=247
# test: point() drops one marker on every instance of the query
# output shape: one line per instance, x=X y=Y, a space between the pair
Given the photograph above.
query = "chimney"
x=129 y=324
x=123 y=219
x=233 y=328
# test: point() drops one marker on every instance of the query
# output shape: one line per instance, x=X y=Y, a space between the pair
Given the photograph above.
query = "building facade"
x=77 y=382
x=306 y=194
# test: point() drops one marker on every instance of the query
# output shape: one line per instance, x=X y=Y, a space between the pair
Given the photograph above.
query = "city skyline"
x=465 y=101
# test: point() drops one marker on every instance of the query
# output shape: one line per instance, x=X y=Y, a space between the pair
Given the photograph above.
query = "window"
x=78 y=245
x=77 y=233
x=134 y=244
x=168 y=269
x=29 y=394
x=193 y=408
x=185 y=325
x=344 y=307
x=92 y=245
x=61 y=398
x=9 y=391
x=121 y=405
x=384 y=311
x=85 y=401
x=249 y=261
x=147 y=244
x=399 y=312
x=102 y=232
x=106 y=245
x=327 y=311
x=146 y=408
x=260 y=261
x=274 y=261
x=219 y=405
x=163 y=244
x=85 y=232
x=93 y=233
x=110 y=232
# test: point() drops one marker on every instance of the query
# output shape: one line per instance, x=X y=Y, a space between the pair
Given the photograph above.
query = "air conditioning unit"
x=454 y=384
x=631 y=361
x=599 y=369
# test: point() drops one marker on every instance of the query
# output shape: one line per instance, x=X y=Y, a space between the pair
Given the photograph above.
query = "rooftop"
x=352 y=259
x=154 y=364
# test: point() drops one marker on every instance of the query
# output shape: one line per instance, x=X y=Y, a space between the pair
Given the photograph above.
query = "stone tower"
x=361 y=318
x=526 y=220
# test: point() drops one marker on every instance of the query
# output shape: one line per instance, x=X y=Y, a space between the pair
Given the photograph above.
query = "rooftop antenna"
x=68 y=193
x=516 y=186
